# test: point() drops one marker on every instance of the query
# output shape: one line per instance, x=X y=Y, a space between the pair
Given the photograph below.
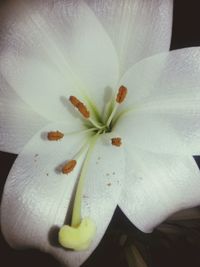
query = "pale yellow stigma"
x=117 y=141
x=77 y=238
x=80 y=106
x=122 y=92
x=67 y=168
x=54 y=136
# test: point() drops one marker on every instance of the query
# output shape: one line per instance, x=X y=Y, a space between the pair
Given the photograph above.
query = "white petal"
x=18 y=122
x=55 y=51
x=165 y=102
x=138 y=28
x=164 y=76
x=157 y=186
x=159 y=133
x=36 y=196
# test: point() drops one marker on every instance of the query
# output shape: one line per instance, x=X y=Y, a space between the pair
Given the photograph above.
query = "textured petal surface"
x=156 y=186
x=165 y=103
x=18 y=123
x=138 y=28
x=37 y=196
x=56 y=50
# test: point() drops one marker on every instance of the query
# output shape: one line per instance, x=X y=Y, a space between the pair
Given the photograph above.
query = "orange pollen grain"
x=67 y=168
x=122 y=92
x=80 y=106
x=117 y=141
x=54 y=136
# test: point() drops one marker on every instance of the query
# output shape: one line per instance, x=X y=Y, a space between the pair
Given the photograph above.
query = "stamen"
x=74 y=101
x=67 y=168
x=70 y=165
x=54 y=136
x=80 y=106
x=79 y=132
x=96 y=124
x=117 y=141
x=122 y=92
x=84 y=111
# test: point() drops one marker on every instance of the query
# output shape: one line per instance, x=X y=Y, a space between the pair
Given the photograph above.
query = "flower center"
x=104 y=124
x=80 y=233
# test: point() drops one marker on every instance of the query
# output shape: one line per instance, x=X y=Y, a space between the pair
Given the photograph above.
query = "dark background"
x=181 y=250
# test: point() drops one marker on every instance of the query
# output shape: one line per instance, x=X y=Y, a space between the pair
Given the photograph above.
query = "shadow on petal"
x=53 y=236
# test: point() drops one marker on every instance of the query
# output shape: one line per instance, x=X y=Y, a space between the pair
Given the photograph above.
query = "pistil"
x=80 y=234
x=76 y=215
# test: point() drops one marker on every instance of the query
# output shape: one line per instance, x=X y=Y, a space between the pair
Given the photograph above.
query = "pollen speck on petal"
x=67 y=168
x=117 y=141
x=55 y=136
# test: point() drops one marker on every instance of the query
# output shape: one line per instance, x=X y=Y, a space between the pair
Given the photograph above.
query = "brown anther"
x=54 y=136
x=74 y=101
x=67 y=168
x=122 y=92
x=83 y=110
x=80 y=106
x=117 y=141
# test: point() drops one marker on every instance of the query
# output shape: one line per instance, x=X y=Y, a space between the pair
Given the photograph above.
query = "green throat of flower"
x=80 y=233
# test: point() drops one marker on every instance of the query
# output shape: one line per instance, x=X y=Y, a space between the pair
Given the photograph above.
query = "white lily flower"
x=65 y=53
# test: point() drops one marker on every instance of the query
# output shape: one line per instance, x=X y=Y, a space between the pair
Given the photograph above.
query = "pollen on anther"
x=55 y=136
x=67 y=168
x=74 y=101
x=122 y=92
x=83 y=110
x=117 y=141
x=80 y=106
